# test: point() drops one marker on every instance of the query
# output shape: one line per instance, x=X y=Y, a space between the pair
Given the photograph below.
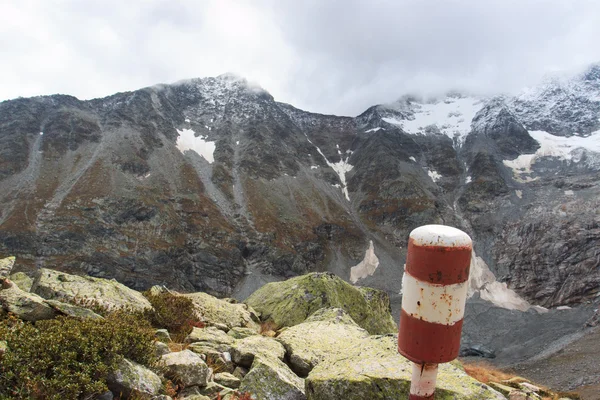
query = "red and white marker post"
x=434 y=290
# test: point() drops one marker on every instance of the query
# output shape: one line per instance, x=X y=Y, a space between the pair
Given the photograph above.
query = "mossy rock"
x=22 y=280
x=108 y=293
x=6 y=266
x=72 y=310
x=241 y=333
x=244 y=351
x=271 y=379
x=25 y=305
x=209 y=335
x=376 y=371
x=132 y=380
x=290 y=302
x=210 y=309
x=329 y=333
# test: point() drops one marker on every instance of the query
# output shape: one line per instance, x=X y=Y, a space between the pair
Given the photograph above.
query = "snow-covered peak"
x=450 y=115
x=561 y=105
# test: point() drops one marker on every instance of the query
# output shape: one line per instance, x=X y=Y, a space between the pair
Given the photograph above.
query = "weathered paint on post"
x=434 y=292
x=424 y=377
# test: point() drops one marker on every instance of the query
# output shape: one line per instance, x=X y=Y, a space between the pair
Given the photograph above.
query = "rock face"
x=55 y=285
x=290 y=302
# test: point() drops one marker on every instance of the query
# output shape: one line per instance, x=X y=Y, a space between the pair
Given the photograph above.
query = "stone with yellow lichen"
x=290 y=302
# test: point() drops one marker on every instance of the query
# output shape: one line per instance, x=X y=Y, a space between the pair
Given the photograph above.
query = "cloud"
x=325 y=56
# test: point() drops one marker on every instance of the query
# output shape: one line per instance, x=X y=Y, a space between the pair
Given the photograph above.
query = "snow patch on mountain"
x=572 y=149
x=451 y=116
x=483 y=280
x=340 y=168
x=366 y=267
x=187 y=140
x=434 y=175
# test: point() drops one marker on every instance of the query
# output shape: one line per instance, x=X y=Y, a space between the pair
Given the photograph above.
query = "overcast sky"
x=325 y=56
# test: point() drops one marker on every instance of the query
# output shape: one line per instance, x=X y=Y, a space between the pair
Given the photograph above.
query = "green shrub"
x=66 y=358
x=172 y=312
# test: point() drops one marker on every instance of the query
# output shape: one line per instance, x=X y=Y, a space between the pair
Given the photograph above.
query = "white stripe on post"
x=433 y=303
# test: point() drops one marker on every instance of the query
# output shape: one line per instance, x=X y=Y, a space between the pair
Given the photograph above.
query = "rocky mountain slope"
x=212 y=185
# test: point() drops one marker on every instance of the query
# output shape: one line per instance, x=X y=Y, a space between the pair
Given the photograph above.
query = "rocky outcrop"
x=374 y=370
x=55 y=285
x=290 y=302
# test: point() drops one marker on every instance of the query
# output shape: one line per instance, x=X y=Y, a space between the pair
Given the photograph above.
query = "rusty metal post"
x=434 y=292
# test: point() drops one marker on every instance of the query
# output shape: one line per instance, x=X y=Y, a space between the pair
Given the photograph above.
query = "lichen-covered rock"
x=186 y=367
x=228 y=380
x=131 y=379
x=217 y=311
x=22 y=280
x=241 y=333
x=376 y=371
x=25 y=305
x=55 y=285
x=290 y=302
x=163 y=335
x=244 y=351
x=160 y=349
x=3 y=346
x=271 y=379
x=209 y=335
x=328 y=333
x=6 y=266
x=72 y=310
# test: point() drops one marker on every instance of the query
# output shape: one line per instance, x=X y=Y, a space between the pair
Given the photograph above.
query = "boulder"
x=72 y=310
x=186 y=367
x=290 y=302
x=271 y=379
x=6 y=266
x=374 y=370
x=160 y=349
x=162 y=335
x=244 y=351
x=328 y=333
x=131 y=379
x=25 y=305
x=209 y=335
x=22 y=280
x=241 y=333
x=228 y=380
x=55 y=285
x=209 y=308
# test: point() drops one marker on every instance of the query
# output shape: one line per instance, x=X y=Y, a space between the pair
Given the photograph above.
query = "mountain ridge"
x=103 y=186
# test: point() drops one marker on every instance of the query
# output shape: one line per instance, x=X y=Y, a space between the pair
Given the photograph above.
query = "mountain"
x=212 y=185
